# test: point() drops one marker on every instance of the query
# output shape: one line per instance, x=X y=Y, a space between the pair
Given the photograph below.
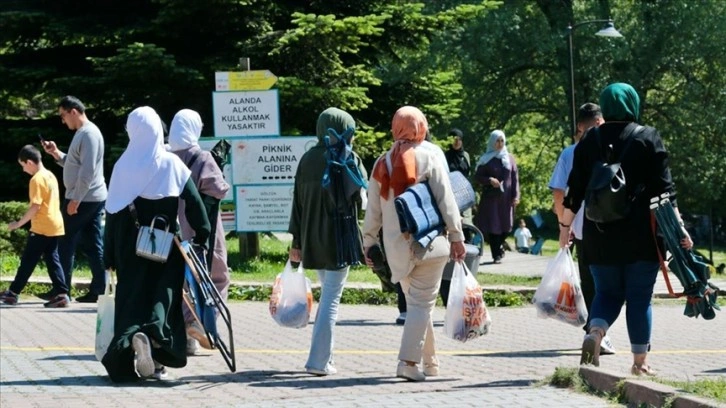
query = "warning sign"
x=263 y=208
x=268 y=160
x=252 y=113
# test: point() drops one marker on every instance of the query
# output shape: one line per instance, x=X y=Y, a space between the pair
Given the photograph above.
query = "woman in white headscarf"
x=186 y=127
x=148 y=321
x=496 y=172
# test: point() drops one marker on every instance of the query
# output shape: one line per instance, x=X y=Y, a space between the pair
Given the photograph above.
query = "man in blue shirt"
x=589 y=115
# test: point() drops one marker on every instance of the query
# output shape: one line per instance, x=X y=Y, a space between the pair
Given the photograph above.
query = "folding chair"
x=204 y=300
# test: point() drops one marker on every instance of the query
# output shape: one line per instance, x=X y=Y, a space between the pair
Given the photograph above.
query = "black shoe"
x=376 y=255
x=58 y=301
x=47 y=295
x=88 y=298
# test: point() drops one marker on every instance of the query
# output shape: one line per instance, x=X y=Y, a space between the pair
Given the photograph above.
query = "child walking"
x=46 y=225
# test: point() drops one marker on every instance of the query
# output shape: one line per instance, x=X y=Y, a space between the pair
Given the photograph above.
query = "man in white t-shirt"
x=589 y=115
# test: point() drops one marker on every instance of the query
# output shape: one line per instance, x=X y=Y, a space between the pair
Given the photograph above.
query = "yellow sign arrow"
x=244 y=80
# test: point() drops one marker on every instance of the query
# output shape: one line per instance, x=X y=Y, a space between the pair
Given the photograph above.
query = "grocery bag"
x=291 y=300
x=559 y=294
x=466 y=316
x=104 y=317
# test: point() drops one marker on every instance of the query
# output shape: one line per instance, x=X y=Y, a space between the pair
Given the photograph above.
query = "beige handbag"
x=153 y=242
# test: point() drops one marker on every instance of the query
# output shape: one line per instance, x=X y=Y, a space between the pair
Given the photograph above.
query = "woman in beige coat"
x=419 y=271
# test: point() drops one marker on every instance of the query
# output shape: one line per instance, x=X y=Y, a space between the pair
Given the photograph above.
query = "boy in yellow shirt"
x=46 y=225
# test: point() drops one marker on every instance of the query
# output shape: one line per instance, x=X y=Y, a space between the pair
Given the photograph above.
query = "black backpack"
x=606 y=196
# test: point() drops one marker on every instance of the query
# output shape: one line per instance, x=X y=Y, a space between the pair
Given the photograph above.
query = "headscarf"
x=409 y=128
x=620 y=102
x=492 y=152
x=336 y=119
x=186 y=127
x=145 y=169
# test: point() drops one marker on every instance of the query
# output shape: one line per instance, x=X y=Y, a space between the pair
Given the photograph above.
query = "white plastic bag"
x=466 y=316
x=105 y=317
x=291 y=300
x=559 y=294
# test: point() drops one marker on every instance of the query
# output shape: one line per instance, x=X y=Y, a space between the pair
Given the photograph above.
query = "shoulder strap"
x=629 y=138
x=389 y=165
x=134 y=214
x=194 y=159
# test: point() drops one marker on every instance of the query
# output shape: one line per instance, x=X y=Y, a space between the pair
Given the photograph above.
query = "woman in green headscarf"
x=623 y=254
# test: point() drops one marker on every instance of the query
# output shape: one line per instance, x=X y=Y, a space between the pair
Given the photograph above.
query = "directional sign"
x=270 y=160
x=244 y=80
x=251 y=113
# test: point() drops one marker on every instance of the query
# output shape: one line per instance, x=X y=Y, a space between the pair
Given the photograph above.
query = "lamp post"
x=607 y=31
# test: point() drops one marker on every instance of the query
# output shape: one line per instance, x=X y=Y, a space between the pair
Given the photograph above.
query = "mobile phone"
x=41 y=138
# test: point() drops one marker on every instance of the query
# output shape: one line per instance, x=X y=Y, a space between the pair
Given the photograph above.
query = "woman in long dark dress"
x=496 y=172
x=148 y=321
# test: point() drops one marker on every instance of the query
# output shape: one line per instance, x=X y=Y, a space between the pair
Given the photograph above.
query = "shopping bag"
x=291 y=300
x=104 y=317
x=559 y=294
x=466 y=316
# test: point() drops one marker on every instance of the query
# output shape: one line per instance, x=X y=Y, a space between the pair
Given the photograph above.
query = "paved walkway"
x=46 y=358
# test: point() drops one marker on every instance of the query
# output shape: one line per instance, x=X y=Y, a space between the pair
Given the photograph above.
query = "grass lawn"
x=273 y=256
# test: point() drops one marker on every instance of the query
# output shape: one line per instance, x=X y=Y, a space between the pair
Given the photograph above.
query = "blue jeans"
x=84 y=230
x=631 y=284
x=36 y=247
x=321 y=347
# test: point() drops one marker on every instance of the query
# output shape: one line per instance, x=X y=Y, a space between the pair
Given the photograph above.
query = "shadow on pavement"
x=75 y=357
x=91 y=381
x=501 y=384
x=363 y=322
x=528 y=353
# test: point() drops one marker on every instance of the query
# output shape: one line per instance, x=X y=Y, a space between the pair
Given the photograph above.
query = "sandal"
x=642 y=370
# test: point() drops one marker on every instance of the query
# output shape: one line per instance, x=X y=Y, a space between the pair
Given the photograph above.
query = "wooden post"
x=249 y=242
x=249 y=245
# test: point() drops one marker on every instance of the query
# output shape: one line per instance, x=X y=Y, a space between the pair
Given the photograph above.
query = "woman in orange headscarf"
x=419 y=271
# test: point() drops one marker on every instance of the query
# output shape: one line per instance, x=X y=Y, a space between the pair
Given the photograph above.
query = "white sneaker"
x=160 y=372
x=142 y=346
x=409 y=372
x=401 y=319
x=329 y=370
x=606 y=346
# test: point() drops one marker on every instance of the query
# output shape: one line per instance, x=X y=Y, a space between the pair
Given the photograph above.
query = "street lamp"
x=607 y=31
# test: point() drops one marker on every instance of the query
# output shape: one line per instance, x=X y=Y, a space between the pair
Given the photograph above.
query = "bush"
x=14 y=241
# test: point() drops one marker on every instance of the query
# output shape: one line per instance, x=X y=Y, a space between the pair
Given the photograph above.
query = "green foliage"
x=476 y=65
x=12 y=242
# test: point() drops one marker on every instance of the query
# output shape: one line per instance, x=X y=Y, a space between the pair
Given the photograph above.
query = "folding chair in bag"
x=204 y=301
x=689 y=268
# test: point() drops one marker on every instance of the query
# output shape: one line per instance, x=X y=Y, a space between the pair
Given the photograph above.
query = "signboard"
x=263 y=208
x=226 y=207
x=254 y=113
x=270 y=160
x=244 y=80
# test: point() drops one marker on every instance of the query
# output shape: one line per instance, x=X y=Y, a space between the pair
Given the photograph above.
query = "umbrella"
x=204 y=300
x=691 y=270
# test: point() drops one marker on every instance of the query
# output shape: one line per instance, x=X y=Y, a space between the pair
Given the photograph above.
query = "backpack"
x=606 y=197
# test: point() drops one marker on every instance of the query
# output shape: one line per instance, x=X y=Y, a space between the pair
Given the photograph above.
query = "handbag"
x=105 y=317
x=463 y=191
x=153 y=242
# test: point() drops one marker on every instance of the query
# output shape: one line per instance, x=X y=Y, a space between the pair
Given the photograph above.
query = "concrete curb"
x=637 y=391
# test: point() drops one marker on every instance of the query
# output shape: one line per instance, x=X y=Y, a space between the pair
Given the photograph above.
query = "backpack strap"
x=629 y=138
